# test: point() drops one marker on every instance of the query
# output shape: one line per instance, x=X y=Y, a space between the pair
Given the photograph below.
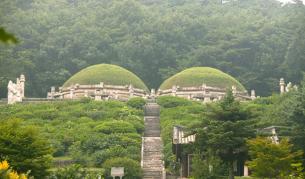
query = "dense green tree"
x=256 y=41
x=296 y=114
x=6 y=37
x=225 y=130
x=272 y=160
x=24 y=148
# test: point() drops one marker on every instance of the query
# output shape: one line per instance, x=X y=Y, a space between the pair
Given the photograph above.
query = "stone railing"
x=98 y=92
x=205 y=93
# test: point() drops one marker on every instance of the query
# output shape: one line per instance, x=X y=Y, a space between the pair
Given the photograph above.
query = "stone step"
x=152 y=143
x=152 y=174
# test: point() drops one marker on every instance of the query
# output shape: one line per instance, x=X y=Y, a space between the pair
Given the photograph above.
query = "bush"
x=132 y=168
x=25 y=148
x=115 y=127
x=171 y=101
x=75 y=172
x=136 y=102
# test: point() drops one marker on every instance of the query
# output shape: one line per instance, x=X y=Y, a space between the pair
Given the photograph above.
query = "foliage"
x=84 y=132
x=172 y=102
x=256 y=41
x=208 y=166
x=132 y=168
x=115 y=127
x=7 y=37
x=75 y=172
x=24 y=147
x=136 y=102
x=108 y=74
x=176 y=111
x=7 y=173
x=197 y=76
x=225 y=130
x=296 y=114
x=271 y=160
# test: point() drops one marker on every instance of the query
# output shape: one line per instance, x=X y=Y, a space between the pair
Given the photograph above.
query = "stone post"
x=22 y=84
x=253 y=94
x=174 y=90
x=206 y=99
x=86 y=95
x=234 y=90
x=152 y=93
x=282 y=85
x=52 y=93
x=71 y=93
x=131 y=91
x=246 y=171
x=97 y=96
x=60 y=92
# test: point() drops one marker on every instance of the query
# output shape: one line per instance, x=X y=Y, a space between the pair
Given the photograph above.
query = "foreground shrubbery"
x=24 y=147
x=84 y=132
x=224 y=127
x=7 y=173
x=176 y=111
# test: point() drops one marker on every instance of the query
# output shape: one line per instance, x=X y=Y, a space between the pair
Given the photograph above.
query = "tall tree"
x=225 y=130
x=296 y=113
x=24 y=148
x=272 y=160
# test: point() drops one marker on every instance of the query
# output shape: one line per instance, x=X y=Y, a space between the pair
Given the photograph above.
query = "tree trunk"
x=231 y=170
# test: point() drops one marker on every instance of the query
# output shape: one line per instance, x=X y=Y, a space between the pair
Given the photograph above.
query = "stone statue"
x=15 y=91
x=288 y=87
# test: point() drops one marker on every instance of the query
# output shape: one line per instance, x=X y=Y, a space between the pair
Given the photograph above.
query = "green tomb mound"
x=106 y=73
x=196 y=76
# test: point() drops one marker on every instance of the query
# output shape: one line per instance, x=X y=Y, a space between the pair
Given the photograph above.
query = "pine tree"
x=225 y=131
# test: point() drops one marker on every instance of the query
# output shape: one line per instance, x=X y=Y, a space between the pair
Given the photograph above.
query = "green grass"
x=196 y=76
x=109 y=74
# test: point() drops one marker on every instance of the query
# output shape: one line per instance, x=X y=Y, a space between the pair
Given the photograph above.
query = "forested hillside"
x=256 y=41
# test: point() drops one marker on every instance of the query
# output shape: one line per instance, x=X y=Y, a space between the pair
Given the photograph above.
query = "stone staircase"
x=152 y=163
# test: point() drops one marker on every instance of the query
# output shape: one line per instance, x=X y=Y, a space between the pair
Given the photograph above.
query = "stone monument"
x=15 y=91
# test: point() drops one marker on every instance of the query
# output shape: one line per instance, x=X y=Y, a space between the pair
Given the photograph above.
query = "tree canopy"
x=255 y=41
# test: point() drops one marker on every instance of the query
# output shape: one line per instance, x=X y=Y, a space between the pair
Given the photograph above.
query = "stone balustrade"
x=205 y=93
x=97 y=92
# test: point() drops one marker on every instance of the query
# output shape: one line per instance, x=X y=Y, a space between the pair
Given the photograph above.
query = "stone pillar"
x=71 y=93
x=52 y=93
x=97 y=96
x=116 y=96
x=131 y=91
x=203 y=86
x=206 y=99
x=253 y=94
x=174 y=90
x=60 y=92
x=282 y=85
x=234 y=89
x=86 y=95
x=152 y=93
x=22 y=84
x=246 y=171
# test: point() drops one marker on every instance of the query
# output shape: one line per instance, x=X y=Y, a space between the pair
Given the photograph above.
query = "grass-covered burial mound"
x=197 y=76
x=109 y=74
